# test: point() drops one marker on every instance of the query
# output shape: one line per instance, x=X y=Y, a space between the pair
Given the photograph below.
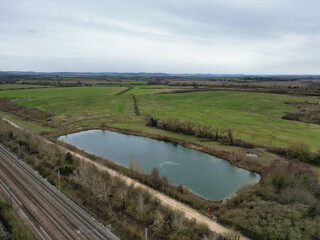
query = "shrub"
x=218 y=133
x=279 y=182
x=66 y=170
x=68 y=157
x=150 y=121
x=155 y=176
x=203 y=131
x=282 y=206
x=187 y=127
x=154 y=122
x=299 y=150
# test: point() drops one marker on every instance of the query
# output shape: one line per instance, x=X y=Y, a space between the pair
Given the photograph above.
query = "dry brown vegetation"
x=295 y=87
x=308 y=112
x=241 y=84
x=284 y=205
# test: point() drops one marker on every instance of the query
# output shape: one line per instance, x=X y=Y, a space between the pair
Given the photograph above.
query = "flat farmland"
x=254 y=117
x=19 y=86
x=153 y=89
x=70 y=105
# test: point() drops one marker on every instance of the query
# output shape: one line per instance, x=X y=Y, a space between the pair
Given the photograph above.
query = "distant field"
x=144 y=91
x=12 y=86
x=255 y=117
x=151 y=89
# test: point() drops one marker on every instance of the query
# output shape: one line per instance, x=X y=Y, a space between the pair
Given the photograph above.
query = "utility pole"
x=10 y=198
x=146 y=233
x=59 y=180
x=19 y=153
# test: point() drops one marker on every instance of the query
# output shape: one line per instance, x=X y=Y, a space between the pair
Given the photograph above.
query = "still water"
x=208 y=176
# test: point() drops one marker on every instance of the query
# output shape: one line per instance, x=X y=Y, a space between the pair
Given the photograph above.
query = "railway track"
x=51 y=214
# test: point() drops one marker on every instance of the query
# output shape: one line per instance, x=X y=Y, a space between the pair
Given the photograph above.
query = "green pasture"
x=152 y=89
x=255 y=117
x=146 y=91
x=70 y=105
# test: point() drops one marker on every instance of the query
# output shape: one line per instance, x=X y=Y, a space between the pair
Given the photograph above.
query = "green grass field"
x=70 y=105
x=255 y=117
x=151 y=89
x=146 y=91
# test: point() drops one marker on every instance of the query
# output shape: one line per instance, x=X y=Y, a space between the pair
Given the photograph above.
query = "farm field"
x=74 y=104
x=255 y=117
x=145 y=90
x=19 y=86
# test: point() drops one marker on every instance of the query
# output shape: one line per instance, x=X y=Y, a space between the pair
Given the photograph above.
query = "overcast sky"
x=174 y=36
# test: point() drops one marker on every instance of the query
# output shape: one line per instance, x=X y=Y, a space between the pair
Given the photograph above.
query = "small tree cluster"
x=301 y=151
x=191 y=128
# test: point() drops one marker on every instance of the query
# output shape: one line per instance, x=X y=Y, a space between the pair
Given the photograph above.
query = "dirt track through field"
x=168 y=201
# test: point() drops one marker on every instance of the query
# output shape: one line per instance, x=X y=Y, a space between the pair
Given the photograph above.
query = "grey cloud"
x=218 y=36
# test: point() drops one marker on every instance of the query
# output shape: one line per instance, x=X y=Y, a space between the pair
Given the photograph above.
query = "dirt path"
x=188 y=211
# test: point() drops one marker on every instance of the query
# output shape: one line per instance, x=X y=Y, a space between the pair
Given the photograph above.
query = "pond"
x=205 y=175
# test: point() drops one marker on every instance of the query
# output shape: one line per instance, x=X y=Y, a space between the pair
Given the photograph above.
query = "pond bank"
x=236 y=156
x=205 y=175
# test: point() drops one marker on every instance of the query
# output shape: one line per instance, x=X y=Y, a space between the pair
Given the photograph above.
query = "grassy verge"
x=30 y=125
